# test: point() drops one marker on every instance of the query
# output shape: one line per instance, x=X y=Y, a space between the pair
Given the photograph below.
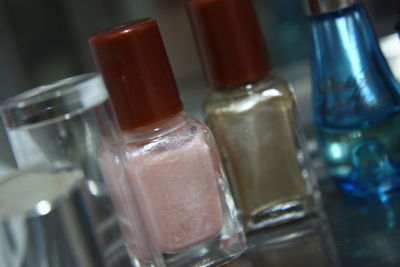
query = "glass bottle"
x=58 y=210
x=355 y=98
x=171 y=160
x=253 y=115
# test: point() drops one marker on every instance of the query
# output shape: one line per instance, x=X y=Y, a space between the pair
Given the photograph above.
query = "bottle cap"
x=229 y=40
x=135 y=67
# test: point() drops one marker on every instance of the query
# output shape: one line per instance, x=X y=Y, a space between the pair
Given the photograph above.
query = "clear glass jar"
x=57 y=133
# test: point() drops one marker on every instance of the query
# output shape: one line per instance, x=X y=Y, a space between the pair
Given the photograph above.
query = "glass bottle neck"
x=351 y=77
x=344 y=45
x=156 y=129
x=324 y=6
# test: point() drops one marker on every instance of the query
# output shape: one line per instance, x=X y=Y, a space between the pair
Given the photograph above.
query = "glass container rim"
x=62 y=97
x=34 y=95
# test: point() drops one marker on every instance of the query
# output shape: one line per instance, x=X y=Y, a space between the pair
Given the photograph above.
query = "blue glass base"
x=373 y=171
x=364 y=160
x=376 y=175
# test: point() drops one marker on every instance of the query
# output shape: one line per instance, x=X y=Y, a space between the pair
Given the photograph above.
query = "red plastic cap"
x=229 y=40
x=135 y=67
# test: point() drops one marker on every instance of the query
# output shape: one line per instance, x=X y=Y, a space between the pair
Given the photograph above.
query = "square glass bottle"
x=171 y=160
x=253 y=116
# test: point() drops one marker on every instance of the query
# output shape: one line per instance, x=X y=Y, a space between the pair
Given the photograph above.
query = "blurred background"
x=45 y=40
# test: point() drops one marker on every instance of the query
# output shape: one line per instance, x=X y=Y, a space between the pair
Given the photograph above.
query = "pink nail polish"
x=170 y=159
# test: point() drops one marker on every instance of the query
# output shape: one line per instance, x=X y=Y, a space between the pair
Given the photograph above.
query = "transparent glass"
x=176 y=175
x=59 y=212
x=261 y=143
x=356 y=103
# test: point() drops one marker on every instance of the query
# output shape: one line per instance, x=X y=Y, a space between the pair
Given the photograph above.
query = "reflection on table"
x=349 y=232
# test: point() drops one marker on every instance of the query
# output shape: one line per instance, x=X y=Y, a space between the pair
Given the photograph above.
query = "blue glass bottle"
x=356 y=101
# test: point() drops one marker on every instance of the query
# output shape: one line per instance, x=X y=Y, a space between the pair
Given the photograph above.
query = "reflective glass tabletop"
x=349 y=232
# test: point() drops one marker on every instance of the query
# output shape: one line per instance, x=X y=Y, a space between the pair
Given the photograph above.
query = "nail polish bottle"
x=171 y=159
x=356 y=100
x=252 y=114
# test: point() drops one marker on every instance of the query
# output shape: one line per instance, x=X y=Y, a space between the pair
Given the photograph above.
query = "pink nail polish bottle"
x=171 y=159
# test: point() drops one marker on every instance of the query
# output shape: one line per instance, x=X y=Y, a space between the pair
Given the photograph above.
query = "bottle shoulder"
x=166 y=135
x=270 y=81
x=270 y=88
x=338 y=13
